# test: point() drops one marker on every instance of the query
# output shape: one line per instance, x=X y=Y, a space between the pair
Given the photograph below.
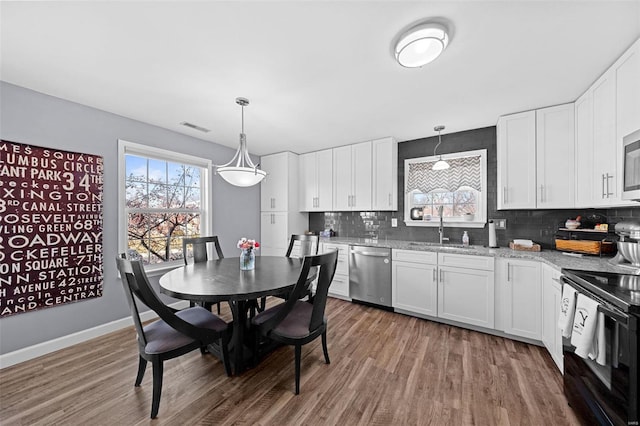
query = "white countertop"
x=554 y=258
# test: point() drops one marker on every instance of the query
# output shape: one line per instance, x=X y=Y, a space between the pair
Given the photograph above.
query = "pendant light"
x=241 y=171
x=440 y=164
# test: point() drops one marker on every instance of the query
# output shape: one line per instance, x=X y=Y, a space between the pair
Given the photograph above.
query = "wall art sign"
x=50 y=227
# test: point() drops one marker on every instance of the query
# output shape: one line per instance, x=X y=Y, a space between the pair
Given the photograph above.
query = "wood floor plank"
x=385 y=369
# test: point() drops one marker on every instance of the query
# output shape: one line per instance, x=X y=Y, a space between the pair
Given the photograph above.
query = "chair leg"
x=218 y=308
x=226 y=359
x=324 y=347
x=157 y=387
x=263 y=304
x=298 y=351
x=142 y=366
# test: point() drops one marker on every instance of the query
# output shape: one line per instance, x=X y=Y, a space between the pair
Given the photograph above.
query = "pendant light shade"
x=440 y=164
x=241 y=171
x=421 y=44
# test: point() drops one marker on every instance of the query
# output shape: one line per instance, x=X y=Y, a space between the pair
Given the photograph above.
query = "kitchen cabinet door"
x=606 y=176
x=466 y=295
x=352 y=177
x=342 y=188
x=274 y=233
x=274 y=188
x=414 y=287
x=585 y=175
x=516 y=147
x=522 y=297
x=555 y=146
x=551 y=297
x=316 y=175
x=627 y=72
x=384 y=174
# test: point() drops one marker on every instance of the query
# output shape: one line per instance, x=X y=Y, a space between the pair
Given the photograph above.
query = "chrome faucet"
x=441 y=227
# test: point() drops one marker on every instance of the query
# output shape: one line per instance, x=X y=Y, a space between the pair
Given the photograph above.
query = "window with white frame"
x=163 y=198
x=459 y=191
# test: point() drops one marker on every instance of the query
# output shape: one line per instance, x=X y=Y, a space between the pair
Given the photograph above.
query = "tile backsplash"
x=540 y=226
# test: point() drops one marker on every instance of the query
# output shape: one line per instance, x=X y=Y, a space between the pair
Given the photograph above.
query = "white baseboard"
x=31 y=352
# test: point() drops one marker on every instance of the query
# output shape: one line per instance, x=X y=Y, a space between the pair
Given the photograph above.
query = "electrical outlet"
x=394 y=222
x=500 y=223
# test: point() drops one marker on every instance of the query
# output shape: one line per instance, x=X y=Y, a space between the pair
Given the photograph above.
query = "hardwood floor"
x=386 y=369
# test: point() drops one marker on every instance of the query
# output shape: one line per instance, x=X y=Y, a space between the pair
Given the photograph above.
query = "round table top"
x=222 y=279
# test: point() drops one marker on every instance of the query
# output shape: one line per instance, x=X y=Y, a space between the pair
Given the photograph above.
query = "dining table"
x=220 y=280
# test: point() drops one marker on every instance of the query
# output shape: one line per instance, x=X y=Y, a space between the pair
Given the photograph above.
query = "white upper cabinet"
x=627 y=70
x=316 y=187
x=555 y=157
x=276 y=192
x=352 y=177
x=517 y=161
x=535 y=159
x=385 y=174
x=605 y=113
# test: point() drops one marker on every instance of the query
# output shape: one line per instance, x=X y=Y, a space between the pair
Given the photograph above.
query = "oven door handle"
x=619 y=316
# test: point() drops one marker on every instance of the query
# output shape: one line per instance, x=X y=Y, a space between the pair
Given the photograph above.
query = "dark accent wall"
x=537 y=225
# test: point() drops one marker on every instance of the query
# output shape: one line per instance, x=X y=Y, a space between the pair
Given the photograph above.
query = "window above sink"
x=461 y=190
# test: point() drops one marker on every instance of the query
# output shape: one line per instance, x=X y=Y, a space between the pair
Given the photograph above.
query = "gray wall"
x=34 y=118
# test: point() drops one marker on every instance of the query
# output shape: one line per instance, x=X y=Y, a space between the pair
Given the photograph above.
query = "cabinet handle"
x=504 y=195
x=604 y=192
x=557 y=280
x=390 y=200
x=441 y=277
x=435 y=277
x=609 y=177
x=508 y=272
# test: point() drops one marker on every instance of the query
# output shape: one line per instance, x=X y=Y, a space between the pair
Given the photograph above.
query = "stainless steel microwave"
x=631 y=177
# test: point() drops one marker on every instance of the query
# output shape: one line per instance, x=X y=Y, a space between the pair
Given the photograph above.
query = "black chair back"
x=199 y=248
x=326 y=266
x=308 y=244
x=137 y=286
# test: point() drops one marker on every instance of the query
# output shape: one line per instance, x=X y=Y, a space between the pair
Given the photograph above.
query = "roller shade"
x=464 y=171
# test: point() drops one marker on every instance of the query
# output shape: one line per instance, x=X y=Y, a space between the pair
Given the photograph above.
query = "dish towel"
x=599 y=349
x=567 y=309
x=584 y=325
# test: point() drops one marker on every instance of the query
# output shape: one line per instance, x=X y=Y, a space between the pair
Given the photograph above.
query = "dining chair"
x=297 y=322
x=175 y=333
x=308 y=246
x=198 y=247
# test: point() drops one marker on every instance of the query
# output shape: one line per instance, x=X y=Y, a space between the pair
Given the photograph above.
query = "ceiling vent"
x=195 y=127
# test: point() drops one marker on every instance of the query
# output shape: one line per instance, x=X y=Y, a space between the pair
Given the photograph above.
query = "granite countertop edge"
x=552 y=258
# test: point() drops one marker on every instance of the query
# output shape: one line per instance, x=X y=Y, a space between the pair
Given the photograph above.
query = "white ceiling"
x=317 y=73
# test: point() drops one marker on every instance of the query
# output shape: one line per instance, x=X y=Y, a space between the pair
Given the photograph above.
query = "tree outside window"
x=163 y=204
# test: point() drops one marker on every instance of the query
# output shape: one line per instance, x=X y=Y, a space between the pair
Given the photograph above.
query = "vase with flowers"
x=247 y=255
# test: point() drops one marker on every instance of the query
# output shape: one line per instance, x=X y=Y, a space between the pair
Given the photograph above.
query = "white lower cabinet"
x=340 y=285
x=466 y=289
x=521 y=301
x=551 y=297
x=414 y=281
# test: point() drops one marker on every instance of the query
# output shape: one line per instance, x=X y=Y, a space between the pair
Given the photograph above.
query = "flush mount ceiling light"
x=421 y=44
x=241 y=171
x=440 y=164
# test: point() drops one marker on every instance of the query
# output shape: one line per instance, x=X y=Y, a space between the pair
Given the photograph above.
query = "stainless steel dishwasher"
x=370 y=275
